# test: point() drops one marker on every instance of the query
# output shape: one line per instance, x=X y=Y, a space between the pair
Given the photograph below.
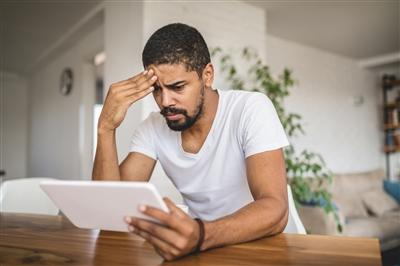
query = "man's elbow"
x=275 y=216
x=283 y=220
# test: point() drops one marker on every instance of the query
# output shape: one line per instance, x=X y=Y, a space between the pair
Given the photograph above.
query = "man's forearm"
x=260 y=218
x=105 y=165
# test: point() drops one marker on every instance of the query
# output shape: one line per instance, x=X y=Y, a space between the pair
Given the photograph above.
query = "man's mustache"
x=172 y=111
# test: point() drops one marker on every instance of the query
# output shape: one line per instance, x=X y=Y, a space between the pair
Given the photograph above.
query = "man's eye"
x=178 y=88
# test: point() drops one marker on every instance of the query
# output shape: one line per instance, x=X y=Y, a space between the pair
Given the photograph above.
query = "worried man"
x=221 y=149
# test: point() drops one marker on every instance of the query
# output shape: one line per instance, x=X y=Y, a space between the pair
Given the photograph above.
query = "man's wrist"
x=200 y=241
x=211 y=235
x=103 y=131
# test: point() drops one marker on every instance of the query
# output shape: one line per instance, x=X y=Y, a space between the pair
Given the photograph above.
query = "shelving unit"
x=391 y=119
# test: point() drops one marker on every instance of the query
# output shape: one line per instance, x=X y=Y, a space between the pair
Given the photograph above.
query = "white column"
x=86 y=120
x=123 y=48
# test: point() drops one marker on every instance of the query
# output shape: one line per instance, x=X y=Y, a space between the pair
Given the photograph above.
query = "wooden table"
x=53 y=240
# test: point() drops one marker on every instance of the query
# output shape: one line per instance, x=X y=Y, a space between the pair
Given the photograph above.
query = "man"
x=221 y=149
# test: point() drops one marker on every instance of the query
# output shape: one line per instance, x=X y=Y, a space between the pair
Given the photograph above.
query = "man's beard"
x=189 y=120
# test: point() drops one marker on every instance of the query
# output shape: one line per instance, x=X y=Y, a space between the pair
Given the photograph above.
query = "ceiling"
x=357 y=29
x=30 y=28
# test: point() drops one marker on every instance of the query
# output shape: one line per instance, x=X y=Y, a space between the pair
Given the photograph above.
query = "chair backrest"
x=24 y=195
x=294 y=225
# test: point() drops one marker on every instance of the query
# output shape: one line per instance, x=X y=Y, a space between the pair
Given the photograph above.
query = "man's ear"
x=208 y=75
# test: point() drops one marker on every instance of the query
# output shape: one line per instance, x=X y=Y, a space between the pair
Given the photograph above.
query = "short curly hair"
x=177 y=43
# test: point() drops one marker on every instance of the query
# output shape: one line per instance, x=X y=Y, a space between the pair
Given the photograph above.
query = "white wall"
x=348 y=136
x=14 y=124
x=54 y=140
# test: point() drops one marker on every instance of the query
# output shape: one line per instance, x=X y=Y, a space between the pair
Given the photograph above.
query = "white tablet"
x=102 y=204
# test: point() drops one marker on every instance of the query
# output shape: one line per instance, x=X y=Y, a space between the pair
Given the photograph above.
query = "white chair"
x=24 y=195
x=294 y=225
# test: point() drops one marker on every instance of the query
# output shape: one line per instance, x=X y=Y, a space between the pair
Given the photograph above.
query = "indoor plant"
x=306 y=170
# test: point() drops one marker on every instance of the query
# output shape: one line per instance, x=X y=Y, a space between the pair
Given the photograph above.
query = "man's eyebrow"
x=175 y=84
x=170 y=86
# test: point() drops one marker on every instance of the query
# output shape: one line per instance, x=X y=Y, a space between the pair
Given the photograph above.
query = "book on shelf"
x=392 y=142
x=389 y=140
x=393 y=117
x=396 y=139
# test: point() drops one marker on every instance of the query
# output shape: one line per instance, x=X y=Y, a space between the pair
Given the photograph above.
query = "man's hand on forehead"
x=122 y=95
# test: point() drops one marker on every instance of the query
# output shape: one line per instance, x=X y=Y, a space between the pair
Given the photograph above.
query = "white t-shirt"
x=213 y=182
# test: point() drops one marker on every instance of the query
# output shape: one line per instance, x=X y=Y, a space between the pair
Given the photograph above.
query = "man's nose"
x=167 y=99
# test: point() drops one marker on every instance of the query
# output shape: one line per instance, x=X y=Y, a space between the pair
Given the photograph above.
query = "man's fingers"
x=137 y=96
x=170 y=204
x=173 y=208
x=137 y=82
x=128 y=82
x=137 y=77
x=166 y=256
x=146 y=78
x=166 y=250
x=136 y=92
x=172 y=219
x=142 y=87
x=140 y=78
x=176 y=219
x=138 y=85
x=167 y=235
x=127 y=98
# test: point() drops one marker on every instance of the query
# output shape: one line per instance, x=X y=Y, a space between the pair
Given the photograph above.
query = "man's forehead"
x=170 y=73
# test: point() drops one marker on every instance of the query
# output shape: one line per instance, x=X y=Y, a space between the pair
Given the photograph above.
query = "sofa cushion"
x=357 y=183
x=363 y=227
x=350 y=206
x=378 y=202
x=347 y=190
x=393 y=215
x=385 y=227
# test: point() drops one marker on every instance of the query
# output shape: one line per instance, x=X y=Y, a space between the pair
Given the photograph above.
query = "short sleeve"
x=143 y=140
x=261 y=129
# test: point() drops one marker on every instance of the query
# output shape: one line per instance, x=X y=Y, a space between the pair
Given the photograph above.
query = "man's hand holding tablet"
x=177 y=234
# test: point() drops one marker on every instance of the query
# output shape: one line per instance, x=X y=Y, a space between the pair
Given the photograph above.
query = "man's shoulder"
x=243 y=98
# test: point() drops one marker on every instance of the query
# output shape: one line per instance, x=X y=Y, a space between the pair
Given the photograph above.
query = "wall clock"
x=66 y=81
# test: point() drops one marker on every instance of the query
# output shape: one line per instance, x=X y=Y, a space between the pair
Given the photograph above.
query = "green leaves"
x=307 y=172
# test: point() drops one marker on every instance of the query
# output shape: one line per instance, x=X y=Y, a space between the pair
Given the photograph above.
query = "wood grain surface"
x=53 y=240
